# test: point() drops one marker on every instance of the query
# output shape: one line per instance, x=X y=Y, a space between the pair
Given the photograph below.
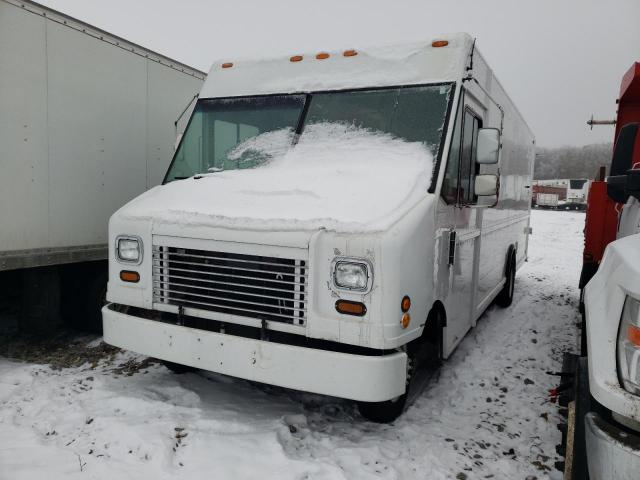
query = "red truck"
x=602 y=211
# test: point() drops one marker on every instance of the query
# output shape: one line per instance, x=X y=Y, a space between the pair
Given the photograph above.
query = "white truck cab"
x=328 y=221
x=612 y=309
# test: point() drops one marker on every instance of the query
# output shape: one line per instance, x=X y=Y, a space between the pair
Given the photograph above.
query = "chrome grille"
x=266 y=288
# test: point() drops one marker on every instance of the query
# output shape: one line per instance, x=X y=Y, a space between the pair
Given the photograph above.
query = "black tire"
x=583 y=326
x=579 y=467
x=505 y=297
x=425 y=352
x=179 y=368
x=84 y=291
x=387 y=412
x=94 y=300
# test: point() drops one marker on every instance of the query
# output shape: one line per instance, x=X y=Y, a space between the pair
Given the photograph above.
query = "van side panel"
x=497 y=225
x=508 y=222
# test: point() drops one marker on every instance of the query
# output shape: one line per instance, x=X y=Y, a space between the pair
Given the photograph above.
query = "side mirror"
x=632 y=186
x=621 y=181
x=616 y=188
x=623 y=151
x=488 y=146
x=486 y=185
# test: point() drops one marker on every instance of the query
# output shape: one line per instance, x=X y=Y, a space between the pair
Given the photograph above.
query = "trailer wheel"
x=84 y=294
x=179 y=368
x=505 y=297
x=95 y=299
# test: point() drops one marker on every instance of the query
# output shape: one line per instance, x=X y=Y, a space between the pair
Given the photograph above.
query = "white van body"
x=441 y=252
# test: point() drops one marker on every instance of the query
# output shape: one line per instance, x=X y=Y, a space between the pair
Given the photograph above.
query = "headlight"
x=129 y=249
x=629 y=346
x=351 y=275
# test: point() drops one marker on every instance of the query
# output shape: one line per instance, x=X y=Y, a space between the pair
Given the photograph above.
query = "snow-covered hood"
x=337 y=177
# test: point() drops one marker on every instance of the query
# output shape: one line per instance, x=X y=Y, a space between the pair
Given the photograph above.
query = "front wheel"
x=384 y=412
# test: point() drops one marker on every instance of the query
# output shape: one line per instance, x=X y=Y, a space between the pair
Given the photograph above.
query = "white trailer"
x=87 y=122
x=547 y=200
x=329 y=221
x=577 y=193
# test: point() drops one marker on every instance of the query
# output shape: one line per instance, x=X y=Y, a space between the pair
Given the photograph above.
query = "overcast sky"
x=559 y=60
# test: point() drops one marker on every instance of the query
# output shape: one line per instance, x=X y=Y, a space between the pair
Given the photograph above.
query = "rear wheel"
x=505 y=297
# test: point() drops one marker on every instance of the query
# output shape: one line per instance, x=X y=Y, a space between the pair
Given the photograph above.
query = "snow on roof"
x=407 y=64
x=338 y=177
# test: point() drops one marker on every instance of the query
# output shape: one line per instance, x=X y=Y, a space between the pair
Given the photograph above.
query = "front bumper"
x=356 y=377
x=612 y=453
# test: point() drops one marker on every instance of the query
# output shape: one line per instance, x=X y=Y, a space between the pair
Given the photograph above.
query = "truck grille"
x=266 y=288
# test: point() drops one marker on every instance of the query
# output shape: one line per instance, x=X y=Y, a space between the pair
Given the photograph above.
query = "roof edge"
x=104 y=36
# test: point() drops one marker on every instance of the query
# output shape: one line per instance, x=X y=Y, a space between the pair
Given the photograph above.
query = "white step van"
x=329 y=221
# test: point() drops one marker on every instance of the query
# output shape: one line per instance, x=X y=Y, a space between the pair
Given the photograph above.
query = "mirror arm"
x=497 y=191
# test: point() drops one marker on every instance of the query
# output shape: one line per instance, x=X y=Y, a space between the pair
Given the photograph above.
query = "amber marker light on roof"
x=227 y=65
x=322 y=56
x=350 y=53
x=440 y=43
x=296 y=58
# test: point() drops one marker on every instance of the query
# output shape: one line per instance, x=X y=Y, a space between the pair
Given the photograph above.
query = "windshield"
x=220 y=128
x=576 y=184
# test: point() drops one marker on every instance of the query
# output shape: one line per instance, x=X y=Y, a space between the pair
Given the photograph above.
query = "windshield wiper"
x=303 y=116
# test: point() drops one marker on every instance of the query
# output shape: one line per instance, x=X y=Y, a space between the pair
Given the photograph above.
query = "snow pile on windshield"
x=339 y=177
x=263 y=147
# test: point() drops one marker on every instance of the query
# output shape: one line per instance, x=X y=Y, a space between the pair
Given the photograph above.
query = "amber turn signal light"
x=440 y=43
x=129 y=276
x=406 y=319
x=405 y=305
x=351 y=308
x=633 y=334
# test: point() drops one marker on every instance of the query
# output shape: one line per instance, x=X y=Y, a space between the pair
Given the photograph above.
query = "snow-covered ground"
x=485 y=414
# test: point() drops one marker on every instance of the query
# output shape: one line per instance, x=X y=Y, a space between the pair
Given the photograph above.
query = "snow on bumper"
x=356 y=377
x=611 y=452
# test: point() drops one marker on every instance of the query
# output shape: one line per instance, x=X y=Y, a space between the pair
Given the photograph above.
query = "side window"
x=468 y=166
x=449 y=189
x=459 y=176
